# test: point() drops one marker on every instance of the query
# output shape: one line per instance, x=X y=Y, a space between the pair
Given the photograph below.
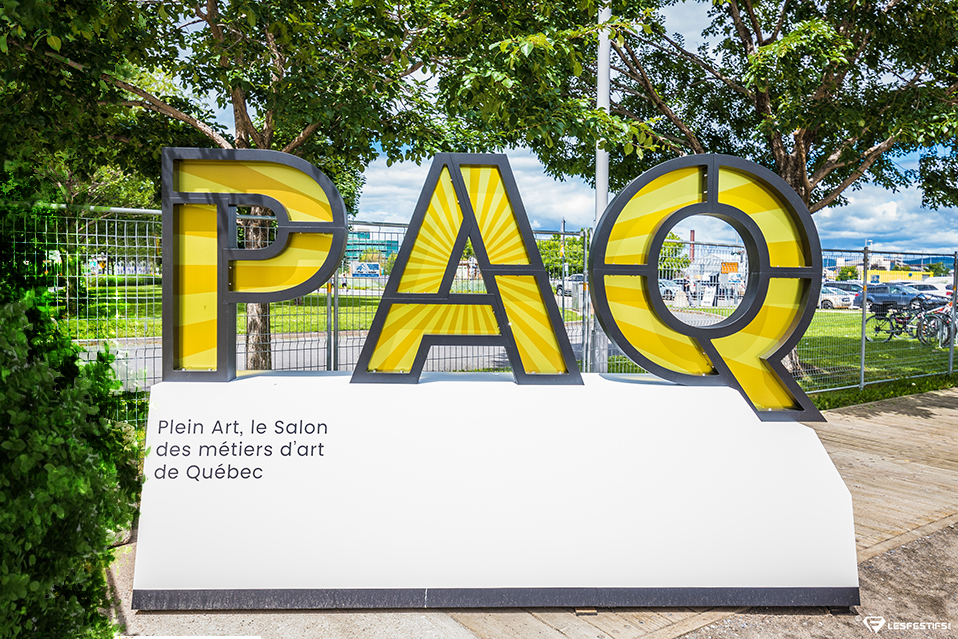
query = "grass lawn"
x=116 y=312
x=830 y=352
x=110 y=312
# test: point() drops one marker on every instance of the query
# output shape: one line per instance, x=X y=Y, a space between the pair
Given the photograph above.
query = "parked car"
x=834 y=298
x=931 y=287
x=882 y=297
x=669 y=289
x=849 y=286
x=565 y=286
x=944 y=284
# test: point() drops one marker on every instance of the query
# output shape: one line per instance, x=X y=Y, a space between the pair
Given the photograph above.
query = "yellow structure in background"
x=897 y=276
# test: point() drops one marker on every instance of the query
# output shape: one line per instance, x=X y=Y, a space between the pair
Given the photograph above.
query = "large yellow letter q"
x=745 y=350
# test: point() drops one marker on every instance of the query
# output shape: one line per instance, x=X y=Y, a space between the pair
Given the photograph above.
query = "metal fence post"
x=336 y=320
x=865 y=263
x=564 y=271
x=586 y=325
x=951 y=328
x=329 y=327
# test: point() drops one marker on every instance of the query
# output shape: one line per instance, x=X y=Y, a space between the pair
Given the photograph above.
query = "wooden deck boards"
x=899 y=459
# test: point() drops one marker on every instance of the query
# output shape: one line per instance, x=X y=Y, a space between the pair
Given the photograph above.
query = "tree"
x=552 y=251
x=335 y=83
x=827 y=95
x=674 y=257
x=390 y=263
x=57 y=179
x=525 y=71
x=846 y=273
x=938 y=269
x=373 y=255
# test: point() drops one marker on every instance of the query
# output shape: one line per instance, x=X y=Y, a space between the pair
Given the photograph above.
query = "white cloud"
x=707 y=229
x=688 y=19
x=390 y=193
x=891 y=221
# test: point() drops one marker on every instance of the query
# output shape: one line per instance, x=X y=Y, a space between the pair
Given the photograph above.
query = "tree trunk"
x=794 y=171
x=793 y=364
x=259 y=353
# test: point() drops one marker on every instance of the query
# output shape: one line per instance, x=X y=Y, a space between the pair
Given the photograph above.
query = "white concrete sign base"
x=304 y=491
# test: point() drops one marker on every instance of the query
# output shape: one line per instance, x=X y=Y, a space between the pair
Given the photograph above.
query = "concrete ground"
x=899 y=459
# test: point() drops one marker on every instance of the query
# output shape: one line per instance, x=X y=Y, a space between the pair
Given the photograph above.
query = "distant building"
x=361 y=241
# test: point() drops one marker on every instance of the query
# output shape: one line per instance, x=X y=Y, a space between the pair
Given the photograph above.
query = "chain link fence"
x=103 y=273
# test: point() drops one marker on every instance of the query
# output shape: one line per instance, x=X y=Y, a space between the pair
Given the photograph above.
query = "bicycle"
x=940 y=326
x=926 y=326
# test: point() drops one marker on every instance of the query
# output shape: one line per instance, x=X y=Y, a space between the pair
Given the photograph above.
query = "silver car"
x=834 y=298
x=564 y=287
x=669 y=289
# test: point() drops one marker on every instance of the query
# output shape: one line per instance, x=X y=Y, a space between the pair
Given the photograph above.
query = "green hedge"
x=69 y=477
x=885 y=390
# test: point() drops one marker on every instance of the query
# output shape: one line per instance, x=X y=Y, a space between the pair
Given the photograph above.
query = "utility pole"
x=599 y=341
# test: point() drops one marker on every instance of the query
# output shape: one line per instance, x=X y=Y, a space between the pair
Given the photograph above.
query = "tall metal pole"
x=329 y=326
x=599 y=348
x=602 y=101
x=950 y=331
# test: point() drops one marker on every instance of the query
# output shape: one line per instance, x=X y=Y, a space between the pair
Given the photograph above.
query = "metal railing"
x=104 y=271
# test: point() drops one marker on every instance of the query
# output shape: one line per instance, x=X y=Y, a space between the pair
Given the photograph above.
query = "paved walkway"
x=898 y=457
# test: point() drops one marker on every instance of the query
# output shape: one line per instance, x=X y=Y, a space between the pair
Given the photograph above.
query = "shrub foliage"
x=69 y=478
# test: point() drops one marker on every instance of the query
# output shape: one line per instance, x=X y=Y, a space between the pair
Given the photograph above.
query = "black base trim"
x=292 y=599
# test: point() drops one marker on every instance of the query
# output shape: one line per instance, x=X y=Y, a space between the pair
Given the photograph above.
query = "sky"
x=886 y=220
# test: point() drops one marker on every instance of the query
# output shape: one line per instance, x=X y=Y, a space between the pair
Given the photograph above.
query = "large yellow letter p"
x=206 y=275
